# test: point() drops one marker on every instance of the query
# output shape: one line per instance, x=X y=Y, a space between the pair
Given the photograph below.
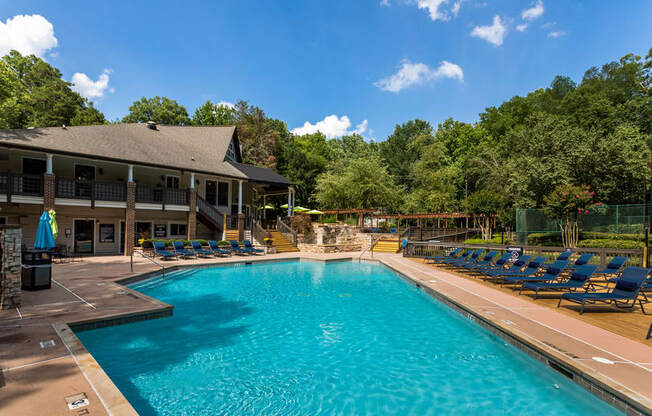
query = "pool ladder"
x=150 y=258
x=371 y=247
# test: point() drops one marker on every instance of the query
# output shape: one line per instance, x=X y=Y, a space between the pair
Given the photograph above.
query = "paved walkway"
x=36 y=380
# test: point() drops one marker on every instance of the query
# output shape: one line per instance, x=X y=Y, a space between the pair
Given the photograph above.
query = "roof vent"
x=151 y=125
x=63 y=126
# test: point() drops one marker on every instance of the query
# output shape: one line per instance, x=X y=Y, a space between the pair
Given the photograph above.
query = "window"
x=222 y=194
x=172 y=182
x=230 y=152
x=178 y=230
x=3 y=220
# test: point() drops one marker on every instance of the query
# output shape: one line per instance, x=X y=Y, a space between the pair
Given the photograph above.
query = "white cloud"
x=456 y=7
x=417 y=73
x=384 y=3
x=533 y=12
x=556 y=34
x=440 y=9
x=332 y=126
x=521 y=28
x=88 y=88
x=494 y=34
x=226 y=104
x=28 y=34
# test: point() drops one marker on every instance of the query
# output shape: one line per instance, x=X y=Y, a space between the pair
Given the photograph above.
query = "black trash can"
x=37 y=270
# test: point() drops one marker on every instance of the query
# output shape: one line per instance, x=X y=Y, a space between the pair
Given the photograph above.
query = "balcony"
x=21 y=184
x=90 y=190
x=150 y=194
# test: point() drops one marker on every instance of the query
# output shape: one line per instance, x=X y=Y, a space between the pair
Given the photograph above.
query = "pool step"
x=386 y=246
x=282 y=244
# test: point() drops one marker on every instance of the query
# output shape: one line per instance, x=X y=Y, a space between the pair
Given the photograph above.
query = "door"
x=84 y=174
x=211 y=192
x=32 y=185
x=84 y=236
x=122 y=236
x=143 y=231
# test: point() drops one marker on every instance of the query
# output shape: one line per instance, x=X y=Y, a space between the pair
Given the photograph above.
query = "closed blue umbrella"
x=44 y=238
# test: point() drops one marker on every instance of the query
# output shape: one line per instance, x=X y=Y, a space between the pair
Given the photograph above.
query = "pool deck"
x=37 y=381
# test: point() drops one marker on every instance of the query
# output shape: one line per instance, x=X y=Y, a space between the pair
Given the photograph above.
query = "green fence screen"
x=617 y=219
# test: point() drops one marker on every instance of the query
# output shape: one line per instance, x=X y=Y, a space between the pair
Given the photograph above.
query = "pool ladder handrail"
x=371 y=247
x=150 y=258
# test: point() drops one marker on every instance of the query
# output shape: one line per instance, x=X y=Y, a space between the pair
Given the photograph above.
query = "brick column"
x=241 y=226
x=10 y=270
x=48 y=191
x=130 y=218
x=192 y=214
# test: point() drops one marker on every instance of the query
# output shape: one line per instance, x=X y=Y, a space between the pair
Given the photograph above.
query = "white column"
x=48 y=164
x=131 y=174
x=289 y=202
x=192 y=180
x=240 y=197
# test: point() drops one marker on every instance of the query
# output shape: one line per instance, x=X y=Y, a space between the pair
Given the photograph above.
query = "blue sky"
x=385 y=62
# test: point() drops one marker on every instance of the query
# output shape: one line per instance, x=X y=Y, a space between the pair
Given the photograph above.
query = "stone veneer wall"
x=333 y=238
x=11 y=237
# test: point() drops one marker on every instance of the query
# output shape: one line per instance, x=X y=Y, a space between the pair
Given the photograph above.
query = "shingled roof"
x=264 y=175
x=191 y=148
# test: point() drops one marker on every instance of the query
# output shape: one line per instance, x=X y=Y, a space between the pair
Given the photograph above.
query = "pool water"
x=309 y=338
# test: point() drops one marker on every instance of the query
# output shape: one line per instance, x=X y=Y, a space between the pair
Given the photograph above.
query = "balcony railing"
x=159 y=195
x=232 y=222
x=20 y=184
x=91 y=190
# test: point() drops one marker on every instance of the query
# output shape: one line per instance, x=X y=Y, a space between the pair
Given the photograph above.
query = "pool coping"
x=117 y=404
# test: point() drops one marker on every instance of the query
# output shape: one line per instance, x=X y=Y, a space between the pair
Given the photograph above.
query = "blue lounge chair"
x=498 y=264
x=464 y=255
x=550 y=274
x=197 y=248
x=517 y=266
x=486 y=261
x=471 y=259
x=577 y=280
x=159 y=250
x=453 y=254
x=181 y=250
x=627 y=289
x=614 y=266
x=248 y=246
x=581 y=260
x=235 y=248
x=215 y=248
x=530 y=270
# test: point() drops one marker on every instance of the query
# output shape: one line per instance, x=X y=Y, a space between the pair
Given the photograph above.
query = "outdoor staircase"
x=282 y=244
x=209 y=215
x=386 y=246
x=231 y=235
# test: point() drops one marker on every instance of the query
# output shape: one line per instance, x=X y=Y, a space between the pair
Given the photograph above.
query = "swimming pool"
x=308 y=338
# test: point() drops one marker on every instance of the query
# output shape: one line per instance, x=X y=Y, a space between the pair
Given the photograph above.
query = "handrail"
x=283 y=228
x=150 y=258
x=371 y=247
x=259 y=233
x=210 y=211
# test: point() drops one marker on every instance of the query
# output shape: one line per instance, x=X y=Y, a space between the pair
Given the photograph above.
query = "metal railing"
x=20 y=184
x=258 y=232
x=231 y=222
x=145 y=256
x=210 y=212
x=446 y=234
x=160 y=195
x=601 y=255
x=90 y=189
x=286 y=231
x=374 y=241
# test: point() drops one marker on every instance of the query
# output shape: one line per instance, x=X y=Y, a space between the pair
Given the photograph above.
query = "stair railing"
x=374 y=241
x=210 y=211
x=259 y=233
x=287 y=231
x=145 y=256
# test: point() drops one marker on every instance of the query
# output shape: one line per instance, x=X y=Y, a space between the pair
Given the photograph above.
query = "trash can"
x=36 y=270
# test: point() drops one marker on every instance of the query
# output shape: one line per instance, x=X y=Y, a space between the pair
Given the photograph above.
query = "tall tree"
x=210 y=114
x=88 y=116
x=396 y=151
x=160 y=110
x=258 y=135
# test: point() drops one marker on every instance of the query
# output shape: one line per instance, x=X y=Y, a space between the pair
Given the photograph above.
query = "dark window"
x=3 y=220
x=172 y=182
x=222 y=194
x=178 y=229
x=33 y=166
x=211 y=192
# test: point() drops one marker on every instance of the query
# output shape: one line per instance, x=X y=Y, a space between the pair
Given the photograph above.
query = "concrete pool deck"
x=37 y=381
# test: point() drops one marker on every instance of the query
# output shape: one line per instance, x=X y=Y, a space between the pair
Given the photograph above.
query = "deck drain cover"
x=77 y=400
x=603 y=360
x=47 y=344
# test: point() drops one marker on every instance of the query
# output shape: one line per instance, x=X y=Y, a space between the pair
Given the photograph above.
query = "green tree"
x=161 y=110
x=565 y=205
x=486 y=204
x=210 y=114
x=397 y=153
x=88 y=116
x=259 y=135
x=358 y=183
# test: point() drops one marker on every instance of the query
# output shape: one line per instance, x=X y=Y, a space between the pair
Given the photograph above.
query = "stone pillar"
x=241 y=227
x=49 y=184
x=130 y=219
x=192 y=214
x=11 y=296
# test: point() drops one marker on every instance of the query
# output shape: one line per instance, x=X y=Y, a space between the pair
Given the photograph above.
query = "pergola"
x=361 y=212
x=438 y=216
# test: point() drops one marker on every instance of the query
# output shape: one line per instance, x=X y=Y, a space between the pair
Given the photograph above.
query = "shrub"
x=495 y=240
x=610 y=236
x=168 y=243
x=610 y=243
x=544 y=239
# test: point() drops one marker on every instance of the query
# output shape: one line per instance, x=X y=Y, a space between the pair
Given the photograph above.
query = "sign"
x=160 y=230
x=516 y=253
x=107 y=233
x=76 y=401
